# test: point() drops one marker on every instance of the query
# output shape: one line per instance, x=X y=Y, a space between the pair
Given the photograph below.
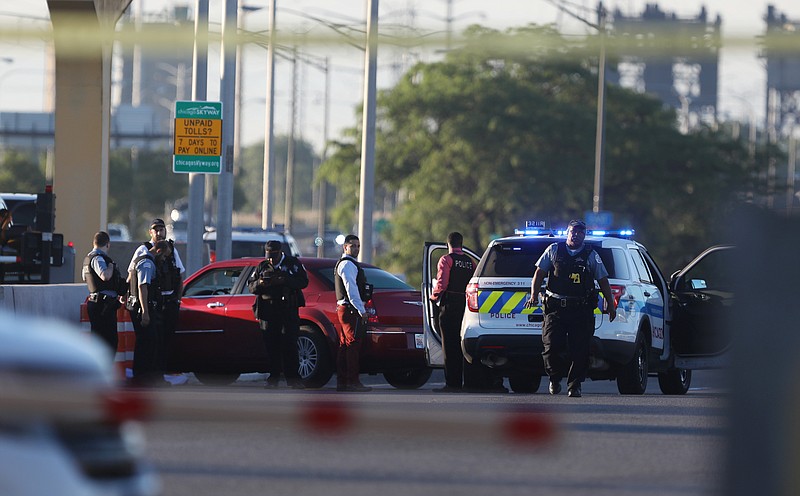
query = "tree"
x=141 y=187
x=251 y=175
x=22 y=172
x=492 y=136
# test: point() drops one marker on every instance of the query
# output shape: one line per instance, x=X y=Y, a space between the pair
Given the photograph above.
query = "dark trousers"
x=567 y=332
x=169 y=317
x=280 y=334
x=103 y=318
x=348 y=365
x=148 y=361
x=451 y=313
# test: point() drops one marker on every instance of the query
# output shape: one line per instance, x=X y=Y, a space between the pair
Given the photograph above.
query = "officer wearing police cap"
x=277 y=284
x=571 y=267
x=170 y=275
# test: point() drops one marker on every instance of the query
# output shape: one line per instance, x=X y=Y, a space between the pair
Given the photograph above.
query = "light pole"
x=367 y=189
x=600 y=134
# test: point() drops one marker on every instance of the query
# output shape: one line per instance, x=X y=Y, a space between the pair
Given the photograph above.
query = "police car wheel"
x=315 y=364
x=675 y=381
x=408 y=379
x=632 y=378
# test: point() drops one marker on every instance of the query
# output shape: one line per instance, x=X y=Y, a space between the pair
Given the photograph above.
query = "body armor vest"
x=169 y=275
x=153 y=289
x=571 y=274
x=93 y=281
x=361 y=281
x=460 y=273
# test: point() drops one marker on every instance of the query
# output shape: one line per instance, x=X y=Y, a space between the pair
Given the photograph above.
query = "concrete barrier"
x=61 y=301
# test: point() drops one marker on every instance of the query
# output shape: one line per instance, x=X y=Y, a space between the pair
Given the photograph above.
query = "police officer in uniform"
x=277 y=283
x=453 y=274
x=352 y=290
x=145 y=304
x=170 y=276
x=105 y=284
x=571 y=268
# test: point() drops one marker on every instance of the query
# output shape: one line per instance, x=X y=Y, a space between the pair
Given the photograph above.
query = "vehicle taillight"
x=372 y=314
x=617 y=291
x=212 y=256
x=472 y=297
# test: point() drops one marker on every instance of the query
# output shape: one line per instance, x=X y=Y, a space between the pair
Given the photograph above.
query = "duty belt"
x=98 y=297
x=565 y=301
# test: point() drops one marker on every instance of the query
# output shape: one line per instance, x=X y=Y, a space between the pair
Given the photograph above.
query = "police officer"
x=145 y=306
x=571 y=268
x=453 y=274
x=352 y=290
x=105 y=284
x=277 y=283
x=170 y=276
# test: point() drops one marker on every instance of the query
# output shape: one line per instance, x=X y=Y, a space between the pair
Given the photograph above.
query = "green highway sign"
x=197 y=138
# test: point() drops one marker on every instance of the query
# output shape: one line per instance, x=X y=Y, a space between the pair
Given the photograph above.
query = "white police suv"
x=664 y=328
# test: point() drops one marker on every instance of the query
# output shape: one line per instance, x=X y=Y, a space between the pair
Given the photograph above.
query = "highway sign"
x=198 y=137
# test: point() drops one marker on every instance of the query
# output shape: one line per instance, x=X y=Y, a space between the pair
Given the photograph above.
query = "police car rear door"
x=432 y=337
x=701 y=299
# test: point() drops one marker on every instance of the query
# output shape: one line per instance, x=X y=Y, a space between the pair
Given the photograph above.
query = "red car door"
x=217 y=331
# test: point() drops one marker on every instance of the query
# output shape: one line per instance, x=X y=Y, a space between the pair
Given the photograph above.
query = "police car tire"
x=675 y=381
x=524 y=383
x=632 y=377
x=216 y=379
x=316 y=367
x=408 y=379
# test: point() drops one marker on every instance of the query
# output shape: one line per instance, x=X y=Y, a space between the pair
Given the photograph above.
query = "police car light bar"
x=617 y=233
x=533 y=228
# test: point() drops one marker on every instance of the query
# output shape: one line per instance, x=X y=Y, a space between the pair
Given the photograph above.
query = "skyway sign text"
x=198 y=137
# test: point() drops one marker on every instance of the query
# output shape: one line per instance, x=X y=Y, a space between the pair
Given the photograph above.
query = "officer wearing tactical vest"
x=170 y=276
x=453 y=274
x=571 y=268
x=352 y=290
x=277 y=283
x=145 y=303
x=105 y=284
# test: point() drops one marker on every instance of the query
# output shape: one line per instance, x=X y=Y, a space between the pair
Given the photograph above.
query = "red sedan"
x=218 y=337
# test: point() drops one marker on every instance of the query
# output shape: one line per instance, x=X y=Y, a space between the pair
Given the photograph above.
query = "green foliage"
x=140 y=186
x=251 y=176
x=488 y=138
x=22 y=172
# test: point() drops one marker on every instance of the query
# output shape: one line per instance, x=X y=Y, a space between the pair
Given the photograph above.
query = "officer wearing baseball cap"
x=170 y=276
x=571 y=267
x=277 y=284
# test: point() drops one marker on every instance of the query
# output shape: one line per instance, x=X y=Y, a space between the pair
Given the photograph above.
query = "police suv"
x=663 y=328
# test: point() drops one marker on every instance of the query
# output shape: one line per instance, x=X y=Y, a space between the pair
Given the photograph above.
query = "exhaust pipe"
x=493 y=360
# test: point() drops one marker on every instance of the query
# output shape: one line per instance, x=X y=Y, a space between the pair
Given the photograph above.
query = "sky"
x=741 y=77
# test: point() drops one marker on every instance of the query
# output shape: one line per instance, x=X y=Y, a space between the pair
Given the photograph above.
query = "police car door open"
x=432 y=336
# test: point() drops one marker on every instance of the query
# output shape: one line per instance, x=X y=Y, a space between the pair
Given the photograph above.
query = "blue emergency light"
x=537 y=228
x=533 y=228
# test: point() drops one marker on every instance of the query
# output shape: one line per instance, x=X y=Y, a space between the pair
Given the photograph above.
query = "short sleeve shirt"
x=595 y=263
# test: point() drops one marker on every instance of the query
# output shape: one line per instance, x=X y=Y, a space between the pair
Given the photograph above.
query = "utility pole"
x=269 y=135
x=289 y=196
x=367 y=189
x=196 y=222
x=228 y=94
x=600 y=134
x=323 y=185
